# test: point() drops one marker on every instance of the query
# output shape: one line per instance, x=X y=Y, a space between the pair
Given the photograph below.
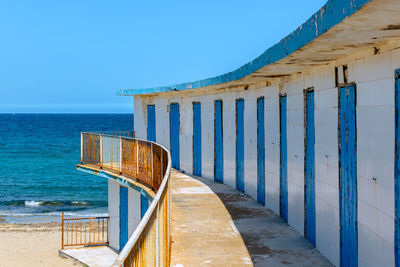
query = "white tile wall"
x=113 y=213
x=272 y=152
x=207 y=137
x=327 y=174
x=295 y=158
x=250 y=143
x=133 y=210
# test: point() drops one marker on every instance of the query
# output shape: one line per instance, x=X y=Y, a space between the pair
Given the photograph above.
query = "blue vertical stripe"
x=174 y=134
x=218 y=143
x=123 y=216
x=144 y=205
x=260 y=151
x=240 y=144
x=197 y=138
x=348 y=176
x=283 y=207
x=151 y=123
x=309 y=201
x=397 y=172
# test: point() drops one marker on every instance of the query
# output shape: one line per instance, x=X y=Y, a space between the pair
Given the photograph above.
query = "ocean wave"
x=32 y=203
x=42 y=203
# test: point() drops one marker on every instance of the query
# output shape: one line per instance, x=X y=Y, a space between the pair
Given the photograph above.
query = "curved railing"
x=139 y=161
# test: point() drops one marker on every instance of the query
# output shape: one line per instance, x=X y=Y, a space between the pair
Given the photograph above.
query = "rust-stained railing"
x=149 y=163
x=143 y=160
x=84 y=231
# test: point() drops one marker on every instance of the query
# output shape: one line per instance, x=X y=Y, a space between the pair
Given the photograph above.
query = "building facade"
x=309 y=129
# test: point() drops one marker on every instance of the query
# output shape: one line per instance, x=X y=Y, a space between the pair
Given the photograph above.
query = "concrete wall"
x=374 y=78
x=113 y=212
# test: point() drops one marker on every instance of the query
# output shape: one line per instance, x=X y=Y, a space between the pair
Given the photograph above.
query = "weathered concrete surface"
x=216 y=225
x=100 y=256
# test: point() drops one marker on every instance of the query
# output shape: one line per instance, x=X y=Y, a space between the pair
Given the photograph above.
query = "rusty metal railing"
x=150 y=164
x=84 y=231
x=143 y=160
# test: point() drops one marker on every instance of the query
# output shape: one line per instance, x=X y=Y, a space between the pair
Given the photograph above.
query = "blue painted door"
x=218 y=143
x=197 y=138
x=309 y=224
x=283 y=196
x=397 y=172
x=151 y=123
x=260 y=151
x=240 y=144
x=348 y=176
x=144 y=205
x=174 y=134
x=123 y=216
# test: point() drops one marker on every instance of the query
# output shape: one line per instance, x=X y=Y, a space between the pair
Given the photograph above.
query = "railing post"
x=161 y=164
x=81 y=148
x=158 y=236
x=152 y=165
x=120 y=155
x=62 y=231
x=101 y=150
x=137 y=158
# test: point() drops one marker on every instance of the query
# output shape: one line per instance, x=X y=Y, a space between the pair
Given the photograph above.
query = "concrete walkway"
x=216 y=225
x=97 y=256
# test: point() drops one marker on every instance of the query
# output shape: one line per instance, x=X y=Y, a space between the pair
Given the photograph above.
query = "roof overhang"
x=338 y=29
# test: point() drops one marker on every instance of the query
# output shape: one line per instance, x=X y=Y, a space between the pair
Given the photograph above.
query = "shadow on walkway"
x=215 y=224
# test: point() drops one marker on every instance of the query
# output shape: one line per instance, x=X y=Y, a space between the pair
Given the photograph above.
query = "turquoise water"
x=38 y=157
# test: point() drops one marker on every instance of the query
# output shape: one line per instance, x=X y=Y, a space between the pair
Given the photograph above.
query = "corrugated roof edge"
x=332 y=13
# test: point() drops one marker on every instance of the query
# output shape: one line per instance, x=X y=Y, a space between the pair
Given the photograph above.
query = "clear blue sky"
x=73 y=55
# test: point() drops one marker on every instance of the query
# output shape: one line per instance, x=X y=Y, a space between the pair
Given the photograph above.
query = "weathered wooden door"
x=197 y=138
x=283 y=160
x=151 y=123
x=309 y=221
x=240 y=144
x=174 y=134
x=348 y=176
x=218 y=143
x=123 y=216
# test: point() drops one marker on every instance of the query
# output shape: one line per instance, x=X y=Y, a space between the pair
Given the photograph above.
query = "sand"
x=31 y=245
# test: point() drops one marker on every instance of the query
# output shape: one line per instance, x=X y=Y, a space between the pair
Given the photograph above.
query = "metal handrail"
x=149 y=163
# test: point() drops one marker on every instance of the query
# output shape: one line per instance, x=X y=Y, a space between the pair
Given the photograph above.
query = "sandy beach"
x=31 y=245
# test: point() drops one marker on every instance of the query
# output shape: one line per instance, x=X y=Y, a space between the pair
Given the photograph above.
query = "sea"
x=38 y=158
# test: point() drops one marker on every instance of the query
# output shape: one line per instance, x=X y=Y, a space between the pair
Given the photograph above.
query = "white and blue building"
x=310 y=129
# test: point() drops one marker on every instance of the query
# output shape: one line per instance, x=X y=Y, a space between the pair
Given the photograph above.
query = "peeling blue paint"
x=348 y=177
x=218 y=142
x=174 y=125
x=240 y=145
x=332 y=13
x=197 y=139
x=309 y=169
x=151 y=123
x=144 y=205
x=260 y=151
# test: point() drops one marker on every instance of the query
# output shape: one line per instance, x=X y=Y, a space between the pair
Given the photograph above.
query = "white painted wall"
x=113 y=213
x=375 y=156
x=272 y=152
x=133 y=210
x=374 y=77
